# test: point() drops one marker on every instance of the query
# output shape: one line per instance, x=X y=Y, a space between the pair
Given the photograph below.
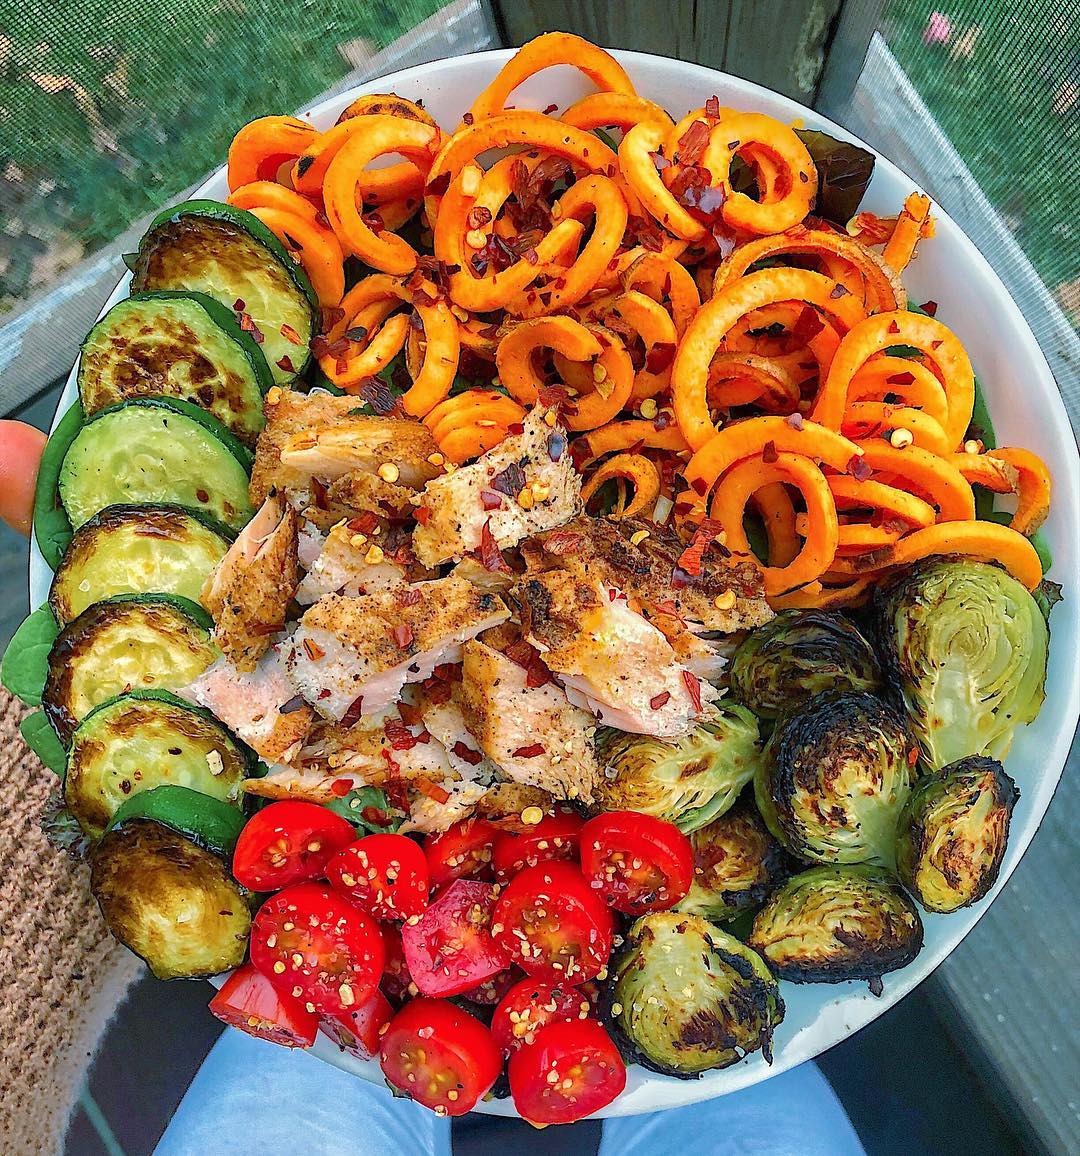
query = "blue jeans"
x=251 y=1098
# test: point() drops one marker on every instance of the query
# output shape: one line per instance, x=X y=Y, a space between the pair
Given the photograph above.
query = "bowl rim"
x=648 y=1091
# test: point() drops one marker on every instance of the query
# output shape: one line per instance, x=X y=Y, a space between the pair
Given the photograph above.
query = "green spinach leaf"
x=26 y=660
x=39 y=736
x=369 y=810
x=52 y=529
x=844 y=172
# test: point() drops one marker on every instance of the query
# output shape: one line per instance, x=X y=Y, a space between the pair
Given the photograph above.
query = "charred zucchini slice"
x=175 y=344
x=156 y=450
x=161 y=879
x=132 y=641
x=52 y=527
x=231 y=255
x=137 y=549
x=142 y=740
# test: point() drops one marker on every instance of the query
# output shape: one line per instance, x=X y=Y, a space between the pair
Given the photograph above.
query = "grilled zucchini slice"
x=156 y=450
x=137 y=549
x=132 y=641
x=160 y=876
x=142 y=740
x=231 y=255
x=176 y=344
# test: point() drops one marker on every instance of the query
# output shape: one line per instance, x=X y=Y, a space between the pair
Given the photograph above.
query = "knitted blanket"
x=61 y=973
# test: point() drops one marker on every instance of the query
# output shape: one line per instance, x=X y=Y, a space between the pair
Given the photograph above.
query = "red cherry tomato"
x=249 y=1001
x=635 y=862
x=449 y=949
x=571 y=1070
x=21 y=447
x=359 y=1030
x=531 y=1005
x=439 y=1056
x=463 y=851
x=492 y=990
x=554 y=837
x=553 y=924
x=396 y=978
x=384 y=875
x=288 y=842
x=308 y=939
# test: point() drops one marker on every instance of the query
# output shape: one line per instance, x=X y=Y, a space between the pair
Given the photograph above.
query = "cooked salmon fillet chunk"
x=533 y=734
x=348 y=565
x=248 y=593
x=351 y=656
x=524 y=485
x=261 y=706
x=728 y=595
x=609 y=659
x=319 y=435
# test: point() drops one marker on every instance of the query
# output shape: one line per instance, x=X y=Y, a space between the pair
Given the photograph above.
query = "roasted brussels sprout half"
x=830 y=924
x=737 y=862
x=688 y=782
x=688 y=997
x=778 y=666
x=966 y=644
x=953 y=833
x=834 y=778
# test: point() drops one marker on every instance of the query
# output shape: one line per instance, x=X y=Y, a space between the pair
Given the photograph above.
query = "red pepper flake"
x=249 y=326
x=690 y=560
x=901 y=379
x=438 y=185
x=556 y=446
x=699 y=486
x=478 y=216
x=795 y=420
x=509 y=481
x=364 y=523
x=659 y=700
x=550 y=109
x=467 y=753
x=712 y=106
x=408 y=596
x=313 y=650
x=402 y=634
x=693 y=688
x=423 y=515
x=331 y=315
x=893 y=327
x=431 y=790
x=340 y=787
x=319 y=491
x=239 y=305
x=437 y=691
x=398 y=735
x=411 y=715
x=285 y=362
x=488 y=553
x=692 y=143
x=467 y=118
x=529 y=752
x=769 y=454
x=936 y=344
x=859 y=468
x=839 y=291
x=377 y=394
x=660 y=356
x=912 y=756
x=929 y=307
x=374 y=222
x=393 y=767
x=661 y=421
x=355 y=712
x=563 y=542
x=291 y=335
x=515 y=428
x=660 y=161
x=528 y=658
x=490 y=500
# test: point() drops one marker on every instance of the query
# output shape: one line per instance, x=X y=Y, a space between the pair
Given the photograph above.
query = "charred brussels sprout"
x=835 y=776
x=798 y=654
x=830 y=924
x=966 y=644
x=688 y=782
x=953 y=833
x=737 y=862
x=687 y=997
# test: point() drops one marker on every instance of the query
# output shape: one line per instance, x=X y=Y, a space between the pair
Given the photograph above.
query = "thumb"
x=20 y=455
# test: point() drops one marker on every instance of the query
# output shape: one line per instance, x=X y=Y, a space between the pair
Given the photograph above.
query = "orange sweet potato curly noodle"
x=764 y=358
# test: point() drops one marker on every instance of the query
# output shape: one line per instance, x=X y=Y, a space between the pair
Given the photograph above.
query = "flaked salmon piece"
x=341 y=441
x=698 y=655
x=728 y=595
x=347 y=565
x=309 y=543
x=526 y=484
x=356 y=495
x=248 y=592
x=473 y=570
x=609 y=659
x=431 y=816
x=261 y=707
x=352 y=656
x=533 y=734
x=503 y=804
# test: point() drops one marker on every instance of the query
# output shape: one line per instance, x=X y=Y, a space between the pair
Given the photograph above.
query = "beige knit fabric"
x=61 y=973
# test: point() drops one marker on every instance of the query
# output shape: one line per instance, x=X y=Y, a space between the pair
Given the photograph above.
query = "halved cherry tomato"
x=551 y=922
x=359 y=1030
x=636 y=863
x=384 y=875
x=309 y=942
x=491 y=991
x=288 y=842
x=250 y=1002
x=449 y=949
x=439 y=1056
x=531 y=1005
x=462 y=851
x=554 y=837
x=396 y=979
x=571 y=1070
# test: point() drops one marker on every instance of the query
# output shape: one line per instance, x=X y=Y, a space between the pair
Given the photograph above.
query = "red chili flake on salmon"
x=490 y=500
x=467 y=753
x=693 y=688
x=313 y=650
x=353 y=715
x=488 y=553
x=408 y=596
x=398 y=735
x=402 y=634
x=341 y=787
x=690 y=560
x=529 y=752
x=432 y=790
x=423 y=515
x=659 y=700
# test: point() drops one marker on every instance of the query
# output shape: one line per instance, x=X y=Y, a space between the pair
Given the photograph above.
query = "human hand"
x=20 y=455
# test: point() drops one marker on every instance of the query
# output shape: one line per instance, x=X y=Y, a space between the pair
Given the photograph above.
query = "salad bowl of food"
x=551 y=613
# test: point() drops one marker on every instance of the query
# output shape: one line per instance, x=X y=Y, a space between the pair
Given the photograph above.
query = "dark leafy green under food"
x=844 y=172
x=39 y=736
x=26 y=661
x=52 y=528
x=369 y=810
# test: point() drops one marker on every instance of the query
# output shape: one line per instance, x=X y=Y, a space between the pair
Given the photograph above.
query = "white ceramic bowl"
x=1027 y=411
